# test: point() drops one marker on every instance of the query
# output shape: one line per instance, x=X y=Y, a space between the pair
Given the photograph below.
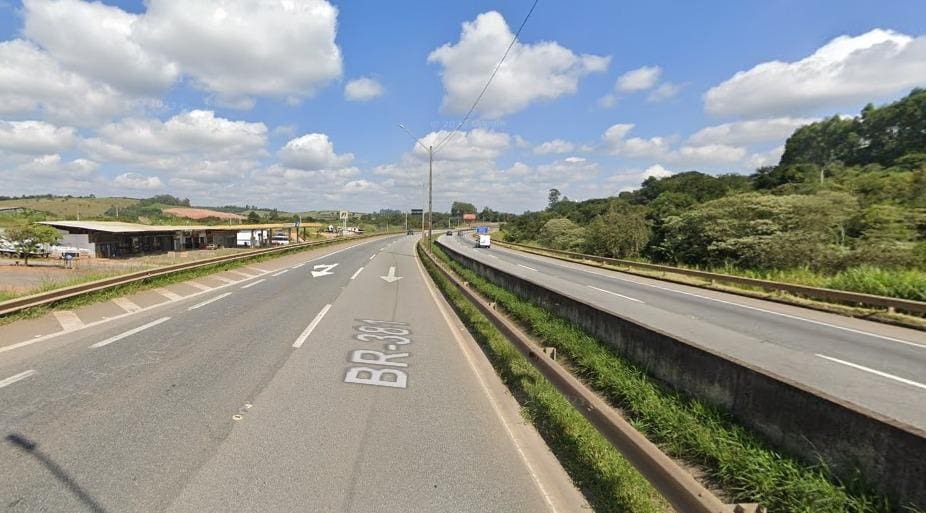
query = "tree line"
x=847 y=192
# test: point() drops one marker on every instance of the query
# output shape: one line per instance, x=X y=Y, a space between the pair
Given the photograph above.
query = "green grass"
x=610 y=483
x=734 y=459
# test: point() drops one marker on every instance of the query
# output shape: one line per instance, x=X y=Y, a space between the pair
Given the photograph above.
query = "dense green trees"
x=848 y=194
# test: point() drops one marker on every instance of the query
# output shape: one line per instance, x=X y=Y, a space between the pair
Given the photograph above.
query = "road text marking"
x=616 y=294
x=873 y=371
x=254 y=283
x=129 y=333
x=311 y=327
x=325 y=269
x=390 y=276
x=206 y=302
x=18 y=377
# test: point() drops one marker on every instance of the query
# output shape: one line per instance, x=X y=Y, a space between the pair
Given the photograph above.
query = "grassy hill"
x=63 y=207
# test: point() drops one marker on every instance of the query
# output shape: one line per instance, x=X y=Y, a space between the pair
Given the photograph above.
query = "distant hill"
x=65 y=207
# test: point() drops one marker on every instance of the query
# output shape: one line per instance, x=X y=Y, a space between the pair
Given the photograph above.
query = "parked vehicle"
x=449 y=232
x=280 y=239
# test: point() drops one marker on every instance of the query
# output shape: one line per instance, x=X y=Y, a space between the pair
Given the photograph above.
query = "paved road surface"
x=249 y=392
x=880 y=367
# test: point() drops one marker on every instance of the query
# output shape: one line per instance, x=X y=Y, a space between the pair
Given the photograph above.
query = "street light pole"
x=430 y=189
x=430 y=150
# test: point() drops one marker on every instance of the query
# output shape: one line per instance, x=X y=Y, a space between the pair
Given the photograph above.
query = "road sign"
x=343 y=215
x=482 y=230
x=416 y=211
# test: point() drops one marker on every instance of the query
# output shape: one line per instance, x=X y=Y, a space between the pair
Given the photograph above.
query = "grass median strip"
x=610 y=483
x=735 y=460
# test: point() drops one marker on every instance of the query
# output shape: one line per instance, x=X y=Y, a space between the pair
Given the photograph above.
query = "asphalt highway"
x=879 y=367
x=329 y=382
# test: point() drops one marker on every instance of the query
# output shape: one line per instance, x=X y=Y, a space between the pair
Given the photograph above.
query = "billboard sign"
x=469 y=217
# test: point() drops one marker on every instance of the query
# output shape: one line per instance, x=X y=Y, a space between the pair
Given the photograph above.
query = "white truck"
x=484 y=241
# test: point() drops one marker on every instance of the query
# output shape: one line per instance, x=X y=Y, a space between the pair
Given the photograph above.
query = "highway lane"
x=126 y=414
x=882 y=368
x=419 y=437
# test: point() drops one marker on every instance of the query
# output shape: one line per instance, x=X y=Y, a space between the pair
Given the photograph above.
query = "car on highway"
x=411 y=232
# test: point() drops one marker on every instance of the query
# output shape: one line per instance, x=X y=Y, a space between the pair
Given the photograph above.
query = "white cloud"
x=476 y=144
x=554 y=146
x=616 y=143
x=313 y=152
x=749 y=132
x=639 y=79
x=532 y=72
x=846 y=70
x=710 y=154
x=240 y=49
x=35 y=137
x=139 y=182
x=52 y=166
x=96 y=41
x=656 y=171
x=665 y=91
x=197 y=132
x=32 y=82
x=363 y=89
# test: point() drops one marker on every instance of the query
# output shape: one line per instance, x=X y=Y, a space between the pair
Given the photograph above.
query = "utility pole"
x=406 y=222
x=430 y=190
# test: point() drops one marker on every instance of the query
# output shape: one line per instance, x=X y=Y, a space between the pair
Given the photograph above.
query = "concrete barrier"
x=790 y=416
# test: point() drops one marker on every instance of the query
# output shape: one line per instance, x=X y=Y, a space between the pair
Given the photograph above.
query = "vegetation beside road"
x=608 y=480
x=733 y=459
x=845 y=208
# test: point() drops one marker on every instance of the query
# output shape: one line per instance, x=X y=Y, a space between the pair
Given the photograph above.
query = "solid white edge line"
x=526 y=267
x=311 y=327
x=254 y=283
x=297 y=266
x=206 y=302
x=873 y=371
x=795 y=317
x=616 y=294
x=356 y=273
x=207 y=290
x=485 y=388
x=284 y=271
x=18 y=377
x=129 y=333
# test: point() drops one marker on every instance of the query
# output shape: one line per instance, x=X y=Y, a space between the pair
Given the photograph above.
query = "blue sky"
x=245 y=102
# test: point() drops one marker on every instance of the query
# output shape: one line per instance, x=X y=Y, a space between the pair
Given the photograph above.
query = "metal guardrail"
x=674 y=483
x=892 y=304
x=46 y=298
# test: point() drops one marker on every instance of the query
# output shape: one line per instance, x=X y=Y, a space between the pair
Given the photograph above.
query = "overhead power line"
x=488 y=82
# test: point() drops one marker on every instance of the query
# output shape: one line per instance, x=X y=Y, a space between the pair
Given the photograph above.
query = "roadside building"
x=110 y=239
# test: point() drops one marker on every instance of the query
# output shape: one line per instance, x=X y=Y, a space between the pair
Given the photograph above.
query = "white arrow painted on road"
x=391 y=277
x=325 y=270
